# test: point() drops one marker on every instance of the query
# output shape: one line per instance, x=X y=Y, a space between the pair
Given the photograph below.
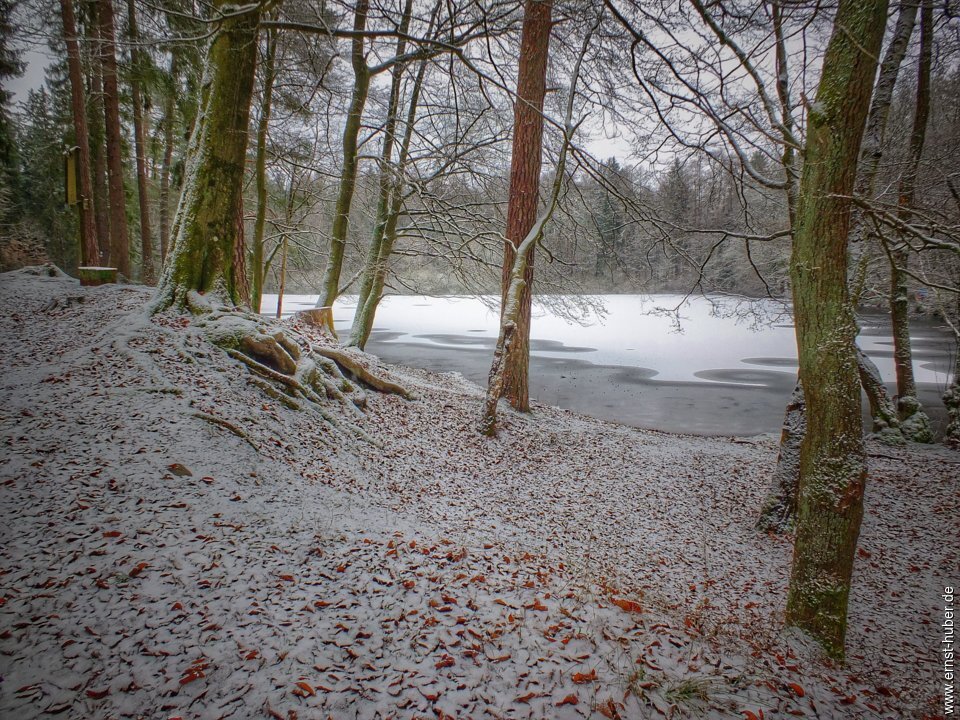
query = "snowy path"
x=570 y=568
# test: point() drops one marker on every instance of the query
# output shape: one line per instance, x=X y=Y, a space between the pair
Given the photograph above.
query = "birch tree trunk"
x=208 y=247
x=119 y=236
x=89 y=250
x=525 y=167
x=832 y=455
x=348 y=175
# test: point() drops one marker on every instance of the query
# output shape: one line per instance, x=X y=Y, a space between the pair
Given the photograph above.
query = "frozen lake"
x=718 y=366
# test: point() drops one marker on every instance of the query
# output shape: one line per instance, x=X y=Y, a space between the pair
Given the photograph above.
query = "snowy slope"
x=175 y=543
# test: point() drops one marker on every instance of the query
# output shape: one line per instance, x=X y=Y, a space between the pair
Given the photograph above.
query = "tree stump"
x=91 y=276
x=317 y=317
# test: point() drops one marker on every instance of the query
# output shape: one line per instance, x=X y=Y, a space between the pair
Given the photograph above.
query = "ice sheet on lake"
x=702 y=337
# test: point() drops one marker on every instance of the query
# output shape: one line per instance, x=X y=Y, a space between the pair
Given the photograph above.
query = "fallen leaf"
x=583 y=678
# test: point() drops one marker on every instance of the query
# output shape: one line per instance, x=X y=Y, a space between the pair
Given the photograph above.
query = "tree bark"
x=832 y=455
x=348 y=175
x=140 y=146
x=881 y=409
x=390 y=196
x=169 y=119
x=119 y=237
x=208 y=226
x=263 y=125
x=525 y=168
x=871 y=151
x=780 y=507
x=914 y=421
x=98 y=152
x=89 y=251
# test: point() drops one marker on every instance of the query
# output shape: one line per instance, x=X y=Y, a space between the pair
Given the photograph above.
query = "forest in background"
x=688 y=169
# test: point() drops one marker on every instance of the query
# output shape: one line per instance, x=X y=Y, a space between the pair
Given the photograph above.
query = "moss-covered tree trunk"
x=89 y=251
x=348 y=174
x=525 y=167
x=263 y=126
x=832 y=456
x=208 y=245
x=147 y=273
x=119 y=235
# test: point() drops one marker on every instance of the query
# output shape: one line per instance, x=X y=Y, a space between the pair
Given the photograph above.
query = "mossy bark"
x=348 y=173
x=209 y=223
x=832 y=455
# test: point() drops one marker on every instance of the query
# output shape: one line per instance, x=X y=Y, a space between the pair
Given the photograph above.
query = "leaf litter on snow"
x=153 y=562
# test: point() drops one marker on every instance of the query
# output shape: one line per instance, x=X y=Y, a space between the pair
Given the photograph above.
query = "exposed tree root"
x=350 y=363
x=288 y=367
x=220 y=422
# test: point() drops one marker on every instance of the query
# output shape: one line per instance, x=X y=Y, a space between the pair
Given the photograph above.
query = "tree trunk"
x=119 y=237
x=914 y=421
x=348 y=176
x=525 y=167
x=140 y=143
x=780 y=507
x=283 y=278
x=832 y=456
x=881 y=409
x=208 y=226
x=169 y=110
x=98 y=152
x=951 y=397
x=263 y=125
x=390 y=198
x=89 y=251
x=871 y=150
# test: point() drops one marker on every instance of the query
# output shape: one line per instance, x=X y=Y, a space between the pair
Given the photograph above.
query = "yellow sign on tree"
x=71 y=157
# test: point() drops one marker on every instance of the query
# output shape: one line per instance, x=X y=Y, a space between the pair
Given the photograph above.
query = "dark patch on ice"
x=489 y=342
x=771 y=361
x=767 y=378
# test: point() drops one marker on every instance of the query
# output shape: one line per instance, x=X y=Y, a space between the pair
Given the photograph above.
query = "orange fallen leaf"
x=798 y=689
x=627 y=605
x=582 y=678
x=304 y=689
x=570 y=699
x=526 y=698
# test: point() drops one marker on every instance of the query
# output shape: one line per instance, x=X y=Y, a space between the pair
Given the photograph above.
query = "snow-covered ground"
x=175 y=543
